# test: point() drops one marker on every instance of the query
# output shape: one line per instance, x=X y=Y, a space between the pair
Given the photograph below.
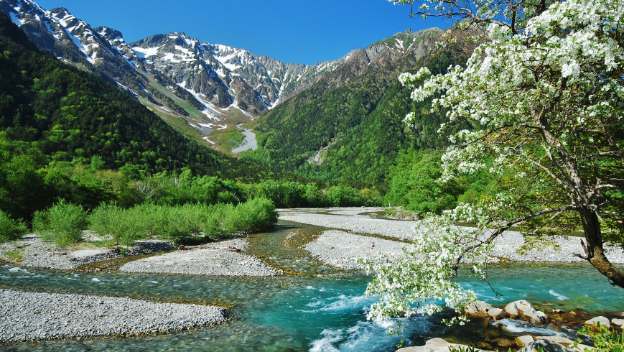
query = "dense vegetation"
x=64 y=113
x=71 y=142
x=358 y=125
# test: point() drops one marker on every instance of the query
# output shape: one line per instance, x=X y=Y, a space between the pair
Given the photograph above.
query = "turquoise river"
x=313 y=308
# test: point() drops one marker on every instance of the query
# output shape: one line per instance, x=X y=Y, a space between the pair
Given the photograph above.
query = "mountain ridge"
x=201 y=89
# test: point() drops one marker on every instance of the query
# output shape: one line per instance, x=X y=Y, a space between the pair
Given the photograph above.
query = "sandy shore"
x=28 y=316
x=220 y=258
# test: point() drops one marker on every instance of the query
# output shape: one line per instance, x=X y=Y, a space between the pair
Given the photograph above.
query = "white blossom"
x=576 y=48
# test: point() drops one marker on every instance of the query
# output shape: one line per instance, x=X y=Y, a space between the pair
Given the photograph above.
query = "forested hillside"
x=66 y=114
x=352 y=133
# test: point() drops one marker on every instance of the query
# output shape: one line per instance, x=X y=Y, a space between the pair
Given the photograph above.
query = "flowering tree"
x=546 y=102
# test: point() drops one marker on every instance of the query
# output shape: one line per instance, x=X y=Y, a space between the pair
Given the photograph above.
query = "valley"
x=444 y=178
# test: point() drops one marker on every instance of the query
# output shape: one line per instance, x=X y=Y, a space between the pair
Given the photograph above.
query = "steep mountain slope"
x=203 y=90
x=205 y=87
x=348 y=126
x=67 y=114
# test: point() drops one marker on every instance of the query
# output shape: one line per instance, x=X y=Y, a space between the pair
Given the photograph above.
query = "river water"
x=313 y=308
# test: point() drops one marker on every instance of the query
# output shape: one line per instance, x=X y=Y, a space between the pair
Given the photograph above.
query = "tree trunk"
x=594 y=248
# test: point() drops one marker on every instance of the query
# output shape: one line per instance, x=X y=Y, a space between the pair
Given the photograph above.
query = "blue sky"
x=297 y=31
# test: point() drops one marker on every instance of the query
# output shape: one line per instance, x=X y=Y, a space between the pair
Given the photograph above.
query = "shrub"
x=605 y=340
x=62 y=223
x=10 y=229
x=183 y=222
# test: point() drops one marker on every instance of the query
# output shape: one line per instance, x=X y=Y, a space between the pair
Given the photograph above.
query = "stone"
x=524 y=310
x=477 y=309
x=503 y=342
x=560 y=340
x=524 y=340
x=438 y=345
x=496 y=313
x=543 y=346
x=617 y=323
x=598 y=321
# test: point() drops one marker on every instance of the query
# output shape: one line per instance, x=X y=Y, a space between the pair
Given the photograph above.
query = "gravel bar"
x=561 y=249
x=343 y=250
x=29 y=316
x=38 y=253
x=219 y=259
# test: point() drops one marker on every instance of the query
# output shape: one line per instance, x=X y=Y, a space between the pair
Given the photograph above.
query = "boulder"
x=477 y=309
x=496 y=313
x=617 y=323
x=598 y=321
x=524 y=310
x=438 y=345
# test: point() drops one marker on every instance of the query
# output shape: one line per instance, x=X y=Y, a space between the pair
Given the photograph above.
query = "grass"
x=178 y=123
x=15 y=256
x=227 y=139
x=182 y=224
x=62 y=223
x=10 y=229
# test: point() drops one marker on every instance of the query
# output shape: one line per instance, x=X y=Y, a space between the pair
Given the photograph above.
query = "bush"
x=413 y=183
x=181 y=223
x=605 y=340
x=10 y=229
x=62 y=223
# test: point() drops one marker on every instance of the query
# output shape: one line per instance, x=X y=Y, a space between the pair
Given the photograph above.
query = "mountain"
x=201 y=89
x=66 y=114
x=197 y=87
x=347 y=127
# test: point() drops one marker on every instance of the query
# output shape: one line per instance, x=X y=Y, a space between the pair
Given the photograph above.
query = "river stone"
x=524 y=310
x=496 y=313
x=438 y=345
x=544 y=346
x=477 y=309
x=598 y=321
x=524 y=340
x=617 y=323
x=560 y=340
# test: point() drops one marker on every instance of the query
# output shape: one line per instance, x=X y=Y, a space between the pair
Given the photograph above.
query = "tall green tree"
x=547 y=100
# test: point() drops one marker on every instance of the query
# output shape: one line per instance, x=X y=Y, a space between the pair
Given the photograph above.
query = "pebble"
x=218 y=259
x=28 y=316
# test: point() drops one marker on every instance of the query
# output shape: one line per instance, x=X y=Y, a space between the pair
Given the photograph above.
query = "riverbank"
x=220 y=258
x=28 y=316
x=510 y=246
x=33 y=252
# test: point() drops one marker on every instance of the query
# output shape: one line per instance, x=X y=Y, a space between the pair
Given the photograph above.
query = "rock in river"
x=524 y=310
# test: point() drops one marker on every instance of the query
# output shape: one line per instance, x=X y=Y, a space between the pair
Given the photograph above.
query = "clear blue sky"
x=297 y=31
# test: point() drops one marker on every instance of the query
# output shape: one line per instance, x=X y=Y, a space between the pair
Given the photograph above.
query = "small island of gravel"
x=343 y=250
x=218 y=259
x=357 y=240
x=28 y=316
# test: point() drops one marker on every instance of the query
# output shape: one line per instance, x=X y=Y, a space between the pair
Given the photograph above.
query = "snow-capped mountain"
x=221 y=75
x=71 y=39
x=212 y=77
x=179 y=75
